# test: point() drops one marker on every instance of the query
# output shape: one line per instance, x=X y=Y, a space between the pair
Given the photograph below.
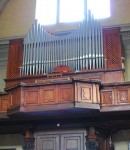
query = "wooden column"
x=29 y=141
x=98 y=141
x=15 y=57
x=92 y=143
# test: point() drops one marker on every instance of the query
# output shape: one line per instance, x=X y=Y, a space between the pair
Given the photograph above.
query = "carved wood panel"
x=48 y=95
x=32 y=95
x=15 y=97
x=122 y=96
x=117 y=96
x=65 y=93
x=3 y=102
x=87 y=93
x=107 y=97
x=84 y=92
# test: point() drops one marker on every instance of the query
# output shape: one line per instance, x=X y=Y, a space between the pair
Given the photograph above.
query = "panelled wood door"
x=73 y=140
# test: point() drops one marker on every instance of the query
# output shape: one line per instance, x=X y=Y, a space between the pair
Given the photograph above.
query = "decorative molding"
x=123 y=96
x=49 y=96
x=86 y=93
x=3 y=102
x=106 y=97
x=123 y=27
x=66 y=93
x=32 y=96
x=5 y=40
x=125 y=33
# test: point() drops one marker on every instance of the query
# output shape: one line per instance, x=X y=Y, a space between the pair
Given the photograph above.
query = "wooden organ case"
x=68 y=74
x=65 y=71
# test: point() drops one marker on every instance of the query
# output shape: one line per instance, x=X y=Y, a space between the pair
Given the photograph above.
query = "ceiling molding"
x=6 y=40
x=2 y=4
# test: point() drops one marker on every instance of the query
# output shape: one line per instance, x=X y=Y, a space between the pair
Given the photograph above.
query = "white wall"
x=122 y=145
x=121 y=140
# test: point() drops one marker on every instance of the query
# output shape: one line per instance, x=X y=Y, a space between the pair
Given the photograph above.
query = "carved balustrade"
x=67 y=93
x=115 y=96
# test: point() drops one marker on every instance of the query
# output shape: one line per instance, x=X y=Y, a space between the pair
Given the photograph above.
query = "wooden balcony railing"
x=48 y=95
x=66 y=93
x=115 y=97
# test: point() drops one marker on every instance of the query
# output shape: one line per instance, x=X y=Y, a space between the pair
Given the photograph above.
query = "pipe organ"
x=37 y=85
x=81 y=49
x=88 y=49
x=91 y=85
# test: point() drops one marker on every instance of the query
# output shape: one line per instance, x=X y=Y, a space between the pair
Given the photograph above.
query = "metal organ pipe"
x=81 y=49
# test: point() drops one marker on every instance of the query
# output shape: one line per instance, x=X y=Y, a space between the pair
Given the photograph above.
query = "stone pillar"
x=29 y=141
x=91 y=140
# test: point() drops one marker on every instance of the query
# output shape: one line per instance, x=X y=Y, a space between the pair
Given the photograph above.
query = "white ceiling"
x=2 y=4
